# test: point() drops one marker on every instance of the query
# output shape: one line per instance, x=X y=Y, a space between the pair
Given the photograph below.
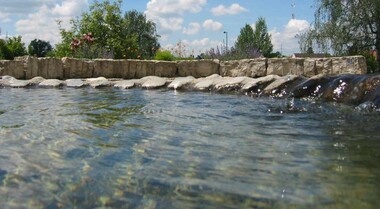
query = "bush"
x=164 y=55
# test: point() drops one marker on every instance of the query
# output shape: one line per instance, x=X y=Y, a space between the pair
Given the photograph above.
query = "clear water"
x=108 y=148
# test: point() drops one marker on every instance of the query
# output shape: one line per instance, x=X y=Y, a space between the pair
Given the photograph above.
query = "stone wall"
x=68 y=68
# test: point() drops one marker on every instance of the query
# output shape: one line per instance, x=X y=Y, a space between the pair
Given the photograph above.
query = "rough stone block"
x=140 y=68
x=165 y=69
x=12 y=68
x=50 y=68
x=349 y=65
x=77 y=68
x=198 y=68
x=247 y=67
x=285 y=66
x=309 y=67
x=323 y=66
x=110 y=68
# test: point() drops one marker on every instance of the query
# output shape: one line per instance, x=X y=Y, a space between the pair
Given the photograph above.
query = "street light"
x=225 y=32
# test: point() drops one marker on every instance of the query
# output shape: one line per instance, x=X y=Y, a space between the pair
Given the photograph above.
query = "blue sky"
x=198 y=24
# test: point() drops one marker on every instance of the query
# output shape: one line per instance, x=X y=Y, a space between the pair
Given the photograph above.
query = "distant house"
x=306 y=55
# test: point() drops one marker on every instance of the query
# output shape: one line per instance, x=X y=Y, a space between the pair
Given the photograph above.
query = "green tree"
x=245 y=39
x=125 y=36
x=261 y=37
x=12 y=47
x=346 y=27
x=39 y=48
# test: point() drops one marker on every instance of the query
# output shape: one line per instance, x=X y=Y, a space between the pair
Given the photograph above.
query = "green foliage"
x=258 y=39
x=12 y=47
x=348 y=27
x=39 y=48
x=114 y=35
x=261 y=38
x=165 y=55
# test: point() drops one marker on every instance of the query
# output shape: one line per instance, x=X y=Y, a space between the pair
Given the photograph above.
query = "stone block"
x=50 y=68
x=198 y=68
x=110 y=68
x=77 y=68
x=309 y=67
x=285 y=66
x=165 y=69
x=247 y=67
x=323 y=66
x=349 y=65
x=12 y=68
x=140 y=68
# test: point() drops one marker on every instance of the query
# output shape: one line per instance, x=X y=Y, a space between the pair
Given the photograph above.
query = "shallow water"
x=109 y=148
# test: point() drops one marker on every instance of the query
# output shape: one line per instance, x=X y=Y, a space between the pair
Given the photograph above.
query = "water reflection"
x=89 y=148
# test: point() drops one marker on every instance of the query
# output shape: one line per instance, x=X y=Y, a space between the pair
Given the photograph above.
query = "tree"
x=124 y=36
x=261 y=37
x=39 y=48
x=12 y=47
x=245 y=39
x=346 y=27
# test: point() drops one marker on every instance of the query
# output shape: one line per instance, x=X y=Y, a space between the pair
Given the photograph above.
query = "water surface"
x=109 y=148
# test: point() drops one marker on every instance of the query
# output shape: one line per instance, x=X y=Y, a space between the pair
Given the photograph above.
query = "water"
x=108 y=148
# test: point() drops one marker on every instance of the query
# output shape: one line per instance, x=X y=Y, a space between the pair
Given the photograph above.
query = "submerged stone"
x=53 y=83
x=230 y=83
x=125 y=84
x=178 y=83
x=98 y=82
x=75 y=83
x=206 y=83
x=152 y=82
x=278 y=87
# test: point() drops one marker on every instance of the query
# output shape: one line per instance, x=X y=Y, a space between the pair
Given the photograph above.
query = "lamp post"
x=225 y=32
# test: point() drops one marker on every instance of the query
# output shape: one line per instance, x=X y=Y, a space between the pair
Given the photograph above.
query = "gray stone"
x=140 y=69
x=259 y=81
x=153 y=82
x=125 y=84
x=13 y=68
x=98 y=82
x=77 y=68
x=52 y=83
x=247 y=67
x=178 y=83
x=198 y=68
x=206 y=83
x=75 y=83
x=349 y=65
x=36 y=80
x=230 y=83
x=111 y=68
x=279 y=82
x=285 y=66
x=165 y=69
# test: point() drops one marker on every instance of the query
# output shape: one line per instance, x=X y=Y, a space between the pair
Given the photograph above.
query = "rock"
x=125 y=84
x=278 y=87
x=98 y=82
x=140 y=69
x=49 y=68
x=247 y=67
x=180 y=82
x=109 y=68
x=153 y=82
x=285 y=66
x=77 y=68
x=13 y=68
x=258 y=84
x=36 y=80
x=52 y=83
x=309 y=67
x=198 y=68
x=323 y=66
x=206 y=83
x=75 y=83
x=349 y=65
x=230 y=83
x=165 y=69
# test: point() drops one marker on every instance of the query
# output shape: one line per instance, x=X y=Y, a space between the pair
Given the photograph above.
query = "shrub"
x=164 y=55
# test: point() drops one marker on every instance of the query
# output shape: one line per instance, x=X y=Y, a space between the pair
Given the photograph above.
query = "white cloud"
x=193 y=47
x=168 y=14
x=286 y=40
x=193 y=29
x=42 y=24
x=4 y=17
x=231 y=10
x=212 y=25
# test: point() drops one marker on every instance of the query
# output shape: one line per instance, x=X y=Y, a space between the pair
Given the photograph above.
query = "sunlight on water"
x=91 y=148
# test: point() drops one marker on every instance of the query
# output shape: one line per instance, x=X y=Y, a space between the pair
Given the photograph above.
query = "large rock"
x=13 y=68
x=230 y=83
x=140 y=69
x=111 y=68
x=323 y=66
x=77 y=68
x=51 y=83
x=98 y=82
x=285 y=66
x=153 y=82
x=75 y=83
x=247 y=67
x=198 y=68
x=258 y=84
x=165 y=69
x=50 y=68
x=179 y=82
x=125 y=84
x=349 y=65
x=309 y=67
x=206 y=83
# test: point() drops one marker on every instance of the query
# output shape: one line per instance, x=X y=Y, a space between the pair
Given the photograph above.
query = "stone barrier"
x=69 y=68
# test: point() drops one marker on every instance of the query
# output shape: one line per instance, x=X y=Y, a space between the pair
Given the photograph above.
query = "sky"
x=198 y=24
